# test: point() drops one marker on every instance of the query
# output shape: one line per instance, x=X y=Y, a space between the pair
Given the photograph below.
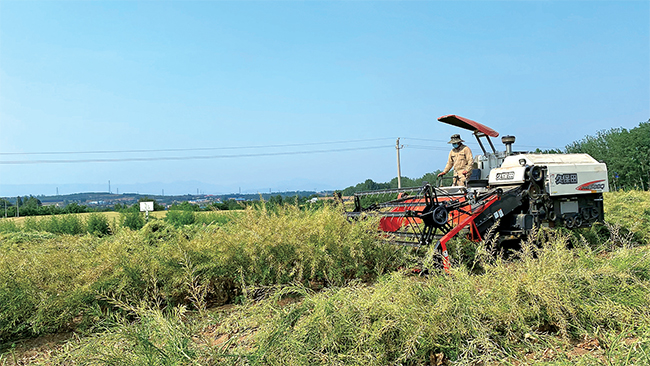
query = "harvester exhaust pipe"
x=508 y=141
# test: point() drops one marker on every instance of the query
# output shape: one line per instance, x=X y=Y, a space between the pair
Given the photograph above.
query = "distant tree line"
x=370 y=185
x=230 y=204
x=32 y=206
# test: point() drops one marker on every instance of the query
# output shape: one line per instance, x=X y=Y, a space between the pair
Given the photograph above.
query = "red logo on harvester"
x=591 y=186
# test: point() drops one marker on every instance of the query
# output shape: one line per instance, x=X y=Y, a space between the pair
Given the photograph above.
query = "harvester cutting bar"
x=401 y=204
x=404 y=202
x=406 y=243
x=403 y=214
x=410 y=235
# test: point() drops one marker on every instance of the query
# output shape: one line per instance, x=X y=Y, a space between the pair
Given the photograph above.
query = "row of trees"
x=216 y=206
x=32 y=206
x=370 y=185
x=272 y=201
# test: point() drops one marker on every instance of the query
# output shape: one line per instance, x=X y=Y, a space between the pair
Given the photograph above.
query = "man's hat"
x=455 y=139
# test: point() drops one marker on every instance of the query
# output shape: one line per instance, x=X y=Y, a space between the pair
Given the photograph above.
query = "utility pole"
x=399 y=171
x=17 y=210
x=109 y=186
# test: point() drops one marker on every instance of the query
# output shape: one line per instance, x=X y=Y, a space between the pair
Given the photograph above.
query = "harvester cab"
x=510 y=192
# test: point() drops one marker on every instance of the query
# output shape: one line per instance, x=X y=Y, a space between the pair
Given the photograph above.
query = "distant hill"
x=105 y=199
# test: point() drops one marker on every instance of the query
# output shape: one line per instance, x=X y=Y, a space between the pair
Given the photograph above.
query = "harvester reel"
x=411 y=216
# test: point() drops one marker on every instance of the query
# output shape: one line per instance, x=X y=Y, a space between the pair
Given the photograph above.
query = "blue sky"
x=90 y=76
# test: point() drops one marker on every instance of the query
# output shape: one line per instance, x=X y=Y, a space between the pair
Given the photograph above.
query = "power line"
x=421 y=139
x=424 y=147
x=192 y=149
x=71 y=161
x=470 y=142
x=231 y=148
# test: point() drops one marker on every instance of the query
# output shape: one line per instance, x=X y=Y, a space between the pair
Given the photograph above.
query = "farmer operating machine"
x=513 y=192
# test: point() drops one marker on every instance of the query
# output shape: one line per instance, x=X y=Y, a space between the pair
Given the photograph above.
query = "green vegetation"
x=180 y=218
x=97 y=224
x=70 y=224
x=305 y=286
x=370 y=185
x=631 y=210
x=32 y=206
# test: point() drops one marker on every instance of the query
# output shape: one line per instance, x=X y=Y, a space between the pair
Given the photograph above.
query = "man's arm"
x=450 y=163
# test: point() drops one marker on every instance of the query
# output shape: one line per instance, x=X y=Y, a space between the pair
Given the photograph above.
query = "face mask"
x=455 y=145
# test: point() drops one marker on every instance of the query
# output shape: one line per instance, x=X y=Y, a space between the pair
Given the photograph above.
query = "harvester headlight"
x=522 y=162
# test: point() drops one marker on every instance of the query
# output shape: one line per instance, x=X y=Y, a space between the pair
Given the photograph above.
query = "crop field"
x=110 y=216
x=290 y=286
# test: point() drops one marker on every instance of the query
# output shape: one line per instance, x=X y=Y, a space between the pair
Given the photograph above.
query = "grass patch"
x=630 y=210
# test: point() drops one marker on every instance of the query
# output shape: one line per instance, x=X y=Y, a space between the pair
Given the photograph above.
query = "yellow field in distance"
x=110 y=215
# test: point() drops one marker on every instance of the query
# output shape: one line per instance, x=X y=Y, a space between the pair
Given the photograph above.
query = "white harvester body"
x=565 y=174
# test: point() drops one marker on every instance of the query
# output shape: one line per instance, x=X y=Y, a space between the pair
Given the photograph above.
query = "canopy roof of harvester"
x=468 y=124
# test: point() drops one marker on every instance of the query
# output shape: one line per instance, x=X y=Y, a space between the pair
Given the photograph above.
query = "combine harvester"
x=515 y=191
